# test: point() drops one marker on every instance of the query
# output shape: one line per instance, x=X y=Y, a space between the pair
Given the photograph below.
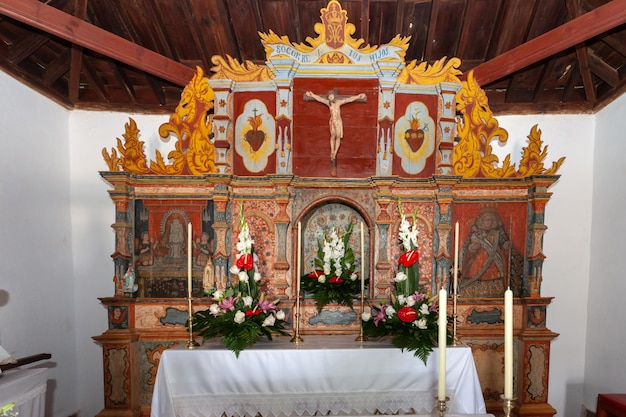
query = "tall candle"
x=508 y=344
x=456 y=258
x=443 y=325
x=362 y=261
x=189 y=284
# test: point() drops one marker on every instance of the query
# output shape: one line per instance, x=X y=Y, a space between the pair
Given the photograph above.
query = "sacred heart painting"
x=414 y=138
x=254 y=140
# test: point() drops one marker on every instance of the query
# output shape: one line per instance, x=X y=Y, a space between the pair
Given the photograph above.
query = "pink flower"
x=381 y=316
x=266 y=306
x=227 y=304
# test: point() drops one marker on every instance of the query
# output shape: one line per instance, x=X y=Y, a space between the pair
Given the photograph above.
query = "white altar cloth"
x=323 y=374
x=26 y=388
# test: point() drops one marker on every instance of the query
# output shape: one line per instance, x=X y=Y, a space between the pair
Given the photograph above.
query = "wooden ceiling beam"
x=593 y=23
x=76 y=65
x=581 y=55
x=603 y=70
x=68 y=27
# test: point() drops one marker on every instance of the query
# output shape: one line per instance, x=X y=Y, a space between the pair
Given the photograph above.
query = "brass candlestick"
x=455 y=340
x=442 y=406
x=191 y=343
x=507 y=405
x=296 y=317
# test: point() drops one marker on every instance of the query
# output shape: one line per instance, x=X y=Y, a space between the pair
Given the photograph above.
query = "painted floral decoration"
x=241 y=313
x=334 y=278
x=410 y=318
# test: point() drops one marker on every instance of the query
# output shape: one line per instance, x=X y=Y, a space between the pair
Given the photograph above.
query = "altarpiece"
x=328 y=132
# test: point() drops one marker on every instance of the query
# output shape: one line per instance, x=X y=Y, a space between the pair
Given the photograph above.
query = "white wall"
x=56 y=238
x=605 y=359
x=93 y=213
x=36 y=277
x=566 y=246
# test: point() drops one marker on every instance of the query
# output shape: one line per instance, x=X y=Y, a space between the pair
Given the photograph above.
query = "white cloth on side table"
x=323 y=375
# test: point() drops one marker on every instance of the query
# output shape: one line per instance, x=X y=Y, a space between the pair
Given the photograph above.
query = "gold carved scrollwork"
x=231 y=69
x=477 y=129
x=191 y=123
x=422 y=73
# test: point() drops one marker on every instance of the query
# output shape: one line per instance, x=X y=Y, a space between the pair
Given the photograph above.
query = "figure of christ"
x=334 y=103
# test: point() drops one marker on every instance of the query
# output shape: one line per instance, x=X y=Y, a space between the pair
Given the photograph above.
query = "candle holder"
x=361 y=337
x=191 y=343
x=296 y=317
x=442 y=406
x=507 y=405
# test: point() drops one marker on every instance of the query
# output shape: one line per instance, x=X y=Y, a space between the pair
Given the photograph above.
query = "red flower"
x=315 y=274
x=335 y=280
x=407 y=314
x=245 y=261
x=409 y=258
x=255 y=312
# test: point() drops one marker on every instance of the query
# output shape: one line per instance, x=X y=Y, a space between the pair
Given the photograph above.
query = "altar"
x=323 y=375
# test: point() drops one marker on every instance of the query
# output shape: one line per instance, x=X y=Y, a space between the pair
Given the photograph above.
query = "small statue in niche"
x=334 y=102
x=486 y=254
x=208 y=276
x=129 y=286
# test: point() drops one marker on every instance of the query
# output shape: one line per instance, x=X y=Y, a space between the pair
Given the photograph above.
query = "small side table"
x=611 y=405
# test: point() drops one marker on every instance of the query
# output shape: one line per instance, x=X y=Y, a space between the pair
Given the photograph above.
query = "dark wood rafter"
x=573 y=8
x=76 y=59
x=578 y=30
x=518 y=49
x=82 y=33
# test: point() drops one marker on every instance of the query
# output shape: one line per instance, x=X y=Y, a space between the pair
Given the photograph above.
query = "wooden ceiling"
x=530 y=56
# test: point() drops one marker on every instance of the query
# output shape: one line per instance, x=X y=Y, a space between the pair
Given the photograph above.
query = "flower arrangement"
x=334 y=278
x=241 y=313
x=411 y=316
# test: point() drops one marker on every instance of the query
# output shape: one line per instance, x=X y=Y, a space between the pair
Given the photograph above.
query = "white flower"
x=410 y=301
x=424 y=309
x=321 y=279
x=218 y=295
x=240 y=317
x=257 y=276
x=326 y=269
x=280 y=315
x=234 y=270
x=243 y=276
x=421 y=323
x=247 y=301
x=390 y=311
x=366 y=316
x=353 y=277
x=215 y=309
x=400 y=276
x=269 y=321
x=401 y=299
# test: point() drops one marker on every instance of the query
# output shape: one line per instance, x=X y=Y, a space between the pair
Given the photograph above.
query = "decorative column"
x=447 y=126
x=385 y=200
x=443 y=226
x=222 y=123
x=221 y=227
x=283 y=279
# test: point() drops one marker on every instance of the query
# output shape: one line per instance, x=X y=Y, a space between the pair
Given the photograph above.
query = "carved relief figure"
x=485 y=257
x=204 y=246
x=175 y=240
x=334 y=103
x=144 y=252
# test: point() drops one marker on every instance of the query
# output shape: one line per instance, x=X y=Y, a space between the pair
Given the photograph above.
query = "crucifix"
x=334 y=102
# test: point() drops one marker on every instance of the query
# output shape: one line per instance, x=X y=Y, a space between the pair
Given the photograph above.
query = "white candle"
x=443 y=325
x=362 y=261
x=456 y=258
x=189 y=284
x=508 y=344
